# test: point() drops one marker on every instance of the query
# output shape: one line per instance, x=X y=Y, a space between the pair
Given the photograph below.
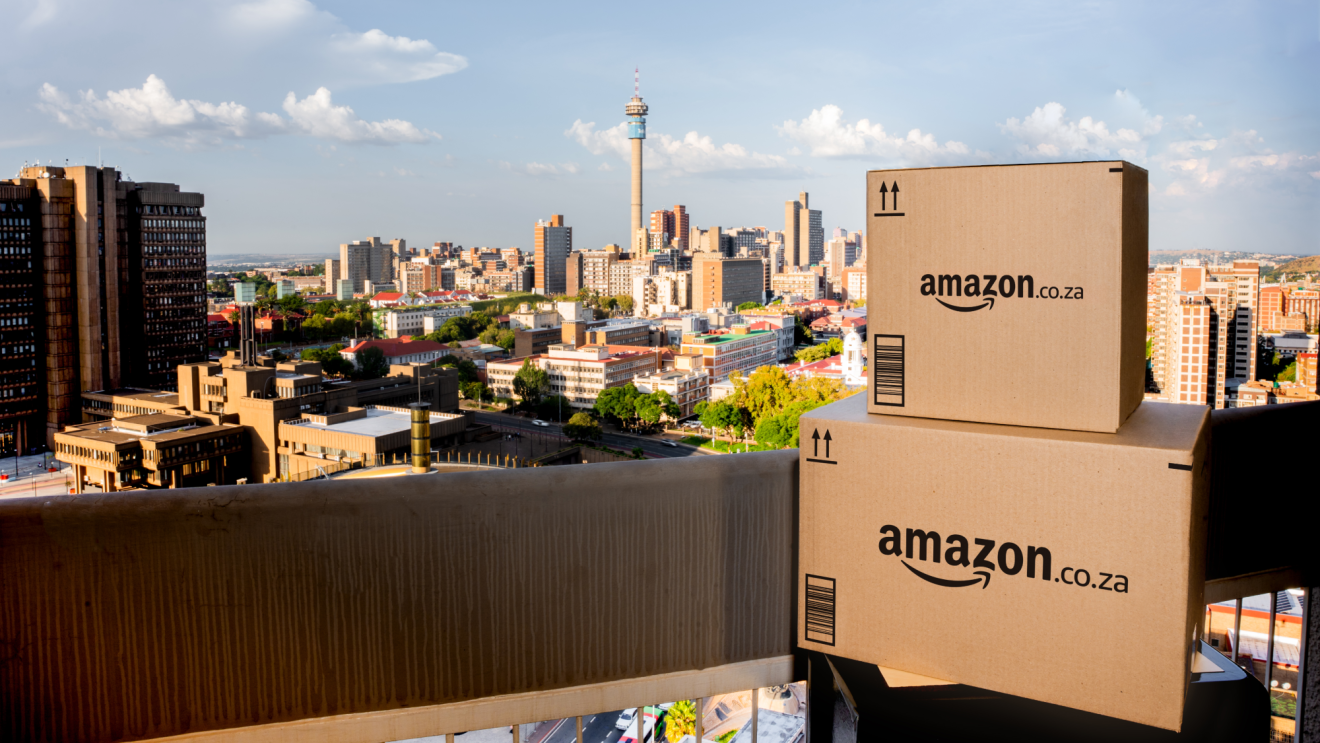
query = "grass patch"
x=723 y=446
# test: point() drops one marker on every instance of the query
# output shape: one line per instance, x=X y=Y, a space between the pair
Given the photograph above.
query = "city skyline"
x=429 y=126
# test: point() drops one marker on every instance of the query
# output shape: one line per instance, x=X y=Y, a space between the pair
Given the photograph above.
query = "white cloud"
x=1048 y=133
x=42 y=13
x=1239 y=159
x=826 y=134
x=152 y=111
x=379 y=57
x=340 y=54
x=605 y=166
x=542 y=169
x=692 y=155
x=317 y=116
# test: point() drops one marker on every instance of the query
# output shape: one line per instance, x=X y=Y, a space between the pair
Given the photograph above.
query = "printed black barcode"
x=889 y=372
x=820 y=609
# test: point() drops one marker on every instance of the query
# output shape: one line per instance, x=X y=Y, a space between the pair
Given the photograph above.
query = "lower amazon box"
x=1062 y=566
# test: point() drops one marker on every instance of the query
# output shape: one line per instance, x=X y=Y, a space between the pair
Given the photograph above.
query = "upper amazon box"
x=1062 y=566
x=1010 y=294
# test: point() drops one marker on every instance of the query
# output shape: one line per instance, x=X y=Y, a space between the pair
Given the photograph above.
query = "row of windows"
x=11 y=207
x=176 y=210
x=162 y=224
x=171 y=262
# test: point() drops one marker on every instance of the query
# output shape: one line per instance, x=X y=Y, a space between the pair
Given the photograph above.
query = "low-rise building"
x=394 y=322
x=1263 y=392
x=579 y=374
x=741 y=348
x=399 y=351
x=687 y=383
x=806 y=284
x=783 y=326
x=253 y=398
x=358 y=437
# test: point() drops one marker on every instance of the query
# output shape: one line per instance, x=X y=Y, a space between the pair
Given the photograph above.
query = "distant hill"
x=1307 y=264
x=1267 y=260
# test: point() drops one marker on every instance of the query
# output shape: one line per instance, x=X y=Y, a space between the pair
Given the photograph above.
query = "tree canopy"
x=582 y=427
x=530 y=384
x=832 y=347
x=748 y=306
x=371 y=364
x=331 y=362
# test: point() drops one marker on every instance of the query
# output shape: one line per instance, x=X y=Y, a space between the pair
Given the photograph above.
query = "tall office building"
x=804 y=237
x=553 y=243
x=839 y=254
x=811 y=236
x=662 y=227
x=636 y=111
x=681 y=227
x=103 y=286
x=718 y=281
x=1202 y=322
x=363 y=261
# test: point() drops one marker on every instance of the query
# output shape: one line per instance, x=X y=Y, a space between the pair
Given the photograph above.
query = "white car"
x=668 y=443
x=539 y=422
x=625 y=719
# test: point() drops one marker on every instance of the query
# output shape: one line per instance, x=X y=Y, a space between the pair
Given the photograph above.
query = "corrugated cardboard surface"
x=1131 y=504
x=144 y=614
x=1018 y=359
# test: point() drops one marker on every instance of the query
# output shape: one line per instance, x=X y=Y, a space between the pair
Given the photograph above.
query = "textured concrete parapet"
x=147 y=614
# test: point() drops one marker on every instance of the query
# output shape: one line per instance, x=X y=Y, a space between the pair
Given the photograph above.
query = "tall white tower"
x=854 y=371
x=636 y=111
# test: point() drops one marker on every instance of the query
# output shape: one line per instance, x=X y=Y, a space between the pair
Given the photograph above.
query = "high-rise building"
x=792 y=223
x=718 y=281
x=363 y=261
x=636 y=111
x=681 y=227
x=106 y=288
x=839 y=254
x=553 y=242
x=811 y=236
x=662 y=227
x=1202 y=322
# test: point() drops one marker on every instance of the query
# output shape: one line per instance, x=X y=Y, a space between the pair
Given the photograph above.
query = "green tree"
x=474 y=390
x=723 y=415
x=530 y=384
x=680 y=721
x=765 y=392
x=506 y=340
x=343 y=325
x=625 y=303
x=748 y=306
x=314 y=327
x=554 y=408
x=801 y=333
x=220 y=287
x=619 y=404
x=781 y=430
x=329 y=359
x=582 y=427
x=371 y=364
x=326 y=307
x=293 y=303
x=832 y=347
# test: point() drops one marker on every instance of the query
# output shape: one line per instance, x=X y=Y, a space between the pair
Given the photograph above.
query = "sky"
x=309 y=124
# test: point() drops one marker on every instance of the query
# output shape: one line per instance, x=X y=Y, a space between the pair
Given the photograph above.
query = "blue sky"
x=310 y=124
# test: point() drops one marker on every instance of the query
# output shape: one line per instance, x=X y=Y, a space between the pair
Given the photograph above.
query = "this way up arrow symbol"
x=827 y=443
x=895 y=196
x=815 y=440
x=884 y=191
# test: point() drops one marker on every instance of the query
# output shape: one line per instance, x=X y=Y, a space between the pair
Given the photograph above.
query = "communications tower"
x=636 y=111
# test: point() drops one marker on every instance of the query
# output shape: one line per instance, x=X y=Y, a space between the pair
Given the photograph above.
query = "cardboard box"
x=1008 y=294
x=1061 y=566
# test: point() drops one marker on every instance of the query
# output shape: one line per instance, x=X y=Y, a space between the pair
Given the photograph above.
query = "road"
x=621 y=441
x=597 y=728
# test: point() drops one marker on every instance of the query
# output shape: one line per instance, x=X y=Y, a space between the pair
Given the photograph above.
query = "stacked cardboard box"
x=997 y=508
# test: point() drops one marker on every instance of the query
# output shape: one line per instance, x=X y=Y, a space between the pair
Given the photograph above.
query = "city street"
x=620 y=441
x=597 y=728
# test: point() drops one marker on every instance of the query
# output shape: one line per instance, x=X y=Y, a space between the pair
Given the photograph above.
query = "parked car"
x=539 y=422
x=667 y=442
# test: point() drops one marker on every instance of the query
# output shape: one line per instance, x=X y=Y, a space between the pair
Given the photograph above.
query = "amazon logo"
x=985 y=557
x=927 y=546
x=984 y=289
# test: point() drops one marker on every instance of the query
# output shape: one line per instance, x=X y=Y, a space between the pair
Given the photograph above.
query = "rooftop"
x=375 y=422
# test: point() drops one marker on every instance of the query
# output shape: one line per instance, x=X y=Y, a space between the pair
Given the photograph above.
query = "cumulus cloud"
x=1241 y=158
x=1048 y=133
x=693 y=154
x=318 y=116
x=542 y=169
x=826 y=134
x=343 y=55
x=152 y=111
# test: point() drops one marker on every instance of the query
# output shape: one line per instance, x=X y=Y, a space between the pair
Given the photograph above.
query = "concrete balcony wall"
x=146 y=614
